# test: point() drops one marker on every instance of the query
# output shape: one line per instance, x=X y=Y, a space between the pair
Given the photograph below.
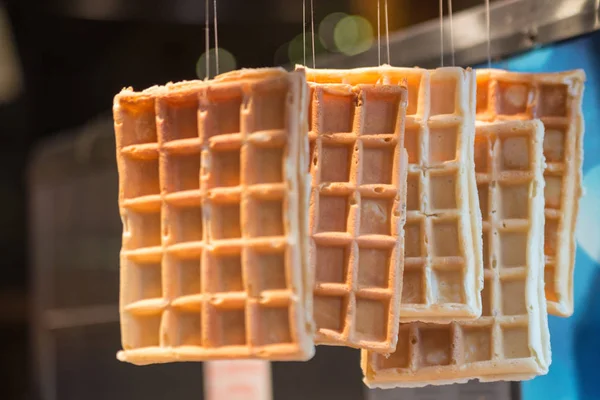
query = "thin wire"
x=387 y=32
x=216 y=38
x=312 y=30
x=379 y=32
x=451 y=31
x=489 y=40
x=207 y=37
x=304 y=30
x=442 y=33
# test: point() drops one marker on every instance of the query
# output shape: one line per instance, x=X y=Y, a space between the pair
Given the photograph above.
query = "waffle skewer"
x=357 y=210
x=511 y=339
x=556 y=99
x=213 y=193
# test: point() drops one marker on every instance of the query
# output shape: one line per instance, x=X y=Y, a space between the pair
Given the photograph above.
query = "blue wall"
x=575 y=373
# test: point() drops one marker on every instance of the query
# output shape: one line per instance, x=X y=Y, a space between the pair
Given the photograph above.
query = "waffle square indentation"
x=187 y=275
x=513 y=297
x=413 y=288
x=142 y=177
x=229 y=327
x=188 y=326
x=552 y=101
x=515 y=342
x=380 y=110
x=477 y=344
x=224 y=113
x=268 y=271
x=185 y=223
x=225 y=220
x=333 y=263
x=412 y=143
x=144 y=229
x=371 y=319
x=225 y=168
x=224 y=272
x=375 y=216
x=513 y=98
x=378 y=165
x=330 y=312
x=434 y=346
x=443 y=142
x=336 y=162
x=554 y=143
x=443 y=95
x=514 y=200
x=266 y=164
x=515 y=153
x=273 y=323
x=180 y=118
x=513 y=249
x=333 y=213
x=553 y=191
x=145 y=280
x=445 y=238
x=442 y=192
x=373 y=267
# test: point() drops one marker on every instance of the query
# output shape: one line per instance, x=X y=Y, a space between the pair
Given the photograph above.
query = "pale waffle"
x=556 y=99
x=213 y=198
x=357 y=208
x=442 y=252
x=511 y=340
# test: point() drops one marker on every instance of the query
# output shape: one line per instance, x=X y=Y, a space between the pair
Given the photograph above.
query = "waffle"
x=555 y=98
x=442 y=277
x=357 y=208
x=213 y=193
x=511 y=340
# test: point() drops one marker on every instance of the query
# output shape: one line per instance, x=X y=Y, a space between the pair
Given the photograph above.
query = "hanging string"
x=312 y=30
x=378 y=32
x=451 y=31
x=441 y=33
x=207 y=36
x=304 y=30
x=387 y=32
x=489 y=39
x=216 y=39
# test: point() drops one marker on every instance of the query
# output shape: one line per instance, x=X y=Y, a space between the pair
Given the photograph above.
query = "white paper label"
x=237 y=380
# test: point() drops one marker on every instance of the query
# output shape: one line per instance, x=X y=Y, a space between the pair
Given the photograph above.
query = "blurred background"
x=61 y=63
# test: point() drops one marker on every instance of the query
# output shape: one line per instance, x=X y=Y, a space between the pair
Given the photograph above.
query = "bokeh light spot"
x=353 y=35
x=327 y=30
x=227 y=62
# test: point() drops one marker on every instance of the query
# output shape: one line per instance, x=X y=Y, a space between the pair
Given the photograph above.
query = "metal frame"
x=516 y=26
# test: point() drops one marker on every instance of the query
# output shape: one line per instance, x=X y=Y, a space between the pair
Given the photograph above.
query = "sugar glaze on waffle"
x=556 y=99
x=511 y=340
x=357 y=209
x=213 y=185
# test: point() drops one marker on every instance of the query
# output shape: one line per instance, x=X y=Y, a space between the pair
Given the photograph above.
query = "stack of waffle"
x=419 y=215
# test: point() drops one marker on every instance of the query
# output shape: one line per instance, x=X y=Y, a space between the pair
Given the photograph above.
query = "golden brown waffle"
x=358 y=208
x=555 y=98
x=443 y=273
x=511 y=340
x=213 y=193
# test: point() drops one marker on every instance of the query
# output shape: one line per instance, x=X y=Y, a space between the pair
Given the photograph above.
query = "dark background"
x=74 y=55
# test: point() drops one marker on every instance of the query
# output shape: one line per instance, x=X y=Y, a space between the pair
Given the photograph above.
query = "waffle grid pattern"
x=556 y=99
x=442 y=276
x=357 y=212
x=510 y=341
x=210 y=265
